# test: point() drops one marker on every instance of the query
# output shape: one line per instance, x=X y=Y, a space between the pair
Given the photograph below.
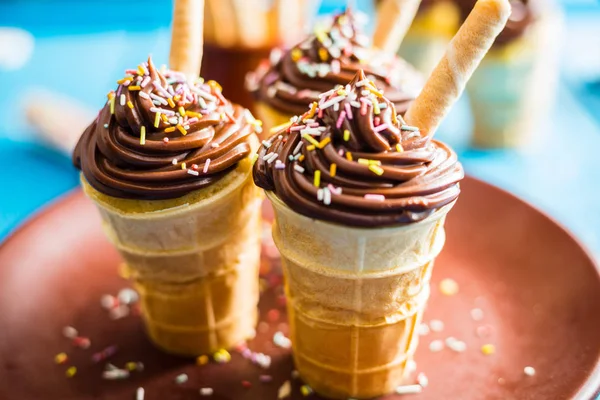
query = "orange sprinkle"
x=122 y=81
x=301 y=158
x=132 y=88
x=171 y=103
x=193 y=114
x=164 y=118
x=332 y=169
x=296 y=55
x=181 y=129
x=170 y=129
x=312 y=111
x=129 y=104
x=311 y=147
x=215 y=85
x=323 y=54
x=111 y=95
x=324 y=142
x=349 y=156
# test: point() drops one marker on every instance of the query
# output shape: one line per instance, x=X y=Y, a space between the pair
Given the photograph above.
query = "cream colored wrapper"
x=195 y=265
x=355 y=298
x=514 y=87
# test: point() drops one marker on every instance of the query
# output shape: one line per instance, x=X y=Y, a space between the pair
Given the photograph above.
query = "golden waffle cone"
x=270 y=117
x=194 y=261
x=355 y=298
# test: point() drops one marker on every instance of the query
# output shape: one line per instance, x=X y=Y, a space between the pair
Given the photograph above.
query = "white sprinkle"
x=174 y=162
x=331 y=102
x=409 y=389
x=529 y=371
x=162 y=110
x=159 y=99
x=455 y=344
x=327 y=196
x=118 y=312
x=285 y=390
x=298 y=147
x=436 y=325
x=271 y=91
x=145 y=81
x=203 y=94
x=114 y=374
x=144 y=95
x=272 y=157
x=206 y=391
x=436 y=345
x=262 y=360
x=266 y=144
x=206 y=164
x=477 y=314
x=422 y=380
x=182 y=378
x=362 y=82
x=110 y=367
x=281 y=340
x=279 y=164
x=128 y=296
x=107 y=301
x=320 y=194
x=409 y=128
x=122 y=99
x=299 y=168
x=162 y=90
x=411 y=365
x=423 y=329
x=69 y=332
x=139 y=394
x=192 y=172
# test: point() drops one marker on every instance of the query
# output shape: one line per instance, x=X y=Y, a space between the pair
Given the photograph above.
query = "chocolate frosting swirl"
x=160 y=136
x=292 y=80
x=352 y=160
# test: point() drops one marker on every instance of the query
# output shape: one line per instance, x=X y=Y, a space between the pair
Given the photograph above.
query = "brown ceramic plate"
x=538 y=290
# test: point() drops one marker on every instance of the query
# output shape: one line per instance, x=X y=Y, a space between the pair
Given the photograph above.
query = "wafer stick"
x=187 y=37
x=289 y=20
x=252 y=24
x=394 y=17
x=463 y=55
x=223 y=22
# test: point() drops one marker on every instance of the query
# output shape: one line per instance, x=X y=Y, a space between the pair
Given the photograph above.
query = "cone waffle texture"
x=515 y=85
x=195 y=264
x=186 y=38
x=355 y=298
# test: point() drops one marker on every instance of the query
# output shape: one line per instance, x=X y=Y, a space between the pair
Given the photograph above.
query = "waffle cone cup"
x=355 y=298
x=270 y=117
x=194 y=261
x=523 y=77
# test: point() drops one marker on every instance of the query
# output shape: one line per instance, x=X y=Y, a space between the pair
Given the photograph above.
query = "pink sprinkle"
x=320 y=114
x=304 y=93
x=340 y=119
x=380 y=128
x=341 y=152
x=192 y=120
x=131 y=71
x=166 y=139
x=205 y=170
x=376 y=121
x=363 y=106
x=195 y=167
x=334 y=190
x=335 y=66
x=145 y=81
x=265 y=378
x=348 y=110
x=126 y=83
x=313 y=125
x=375 y=197
x=297 y=128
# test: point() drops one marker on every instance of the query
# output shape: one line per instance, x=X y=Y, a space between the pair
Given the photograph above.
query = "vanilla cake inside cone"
x=360 y=201
x=168 y=165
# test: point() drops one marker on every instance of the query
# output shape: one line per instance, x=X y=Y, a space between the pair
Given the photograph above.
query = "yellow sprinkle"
x=449 y=287
x=376 y=109
x=170 y=129
x=183 y=165
x=257 y=122
x=143 y=135
x=488 y=349
x=363 y=161
x=349 y=156
x=157 y=120
x=320 y=34
x=181 y=129
x=182 y=111
x=112 y=105
x=132 y=88
x=131 y=366
x=203 y=360
x=140 y=70
x=129 y=104
x=376 y=169
x=346 y=135
x=296 y=54
x=111 y=95
x=311 y=147
x=374 y=91
x=310 y=139
x=342 y=92
x=332 y=169
x=305 y=390
x=164 y=118
x=313 y=110
x=60 y=358
x=177 y=97
x=254 y=158
x=215 y=85
x=323 y=54
x=399 y=148
x=171 y=103
x=71 y=371
x=193 y=114
x=317 y=180
x=222 y=356
x=122 y=81
x=301 y=158
x=324 y=142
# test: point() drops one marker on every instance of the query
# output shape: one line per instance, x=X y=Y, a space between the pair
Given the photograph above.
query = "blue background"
x=81 y=47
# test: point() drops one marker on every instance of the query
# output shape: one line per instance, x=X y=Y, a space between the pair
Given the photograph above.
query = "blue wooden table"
x=81 y=50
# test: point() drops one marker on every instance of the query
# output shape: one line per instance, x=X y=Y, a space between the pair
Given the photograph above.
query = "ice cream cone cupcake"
x=289 y=81
x=515 y=85
x=168 y=164
x=360 y=199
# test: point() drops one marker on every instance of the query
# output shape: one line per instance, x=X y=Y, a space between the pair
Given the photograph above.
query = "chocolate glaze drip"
x=352 y=160
x=293 y=79
x=160 y=136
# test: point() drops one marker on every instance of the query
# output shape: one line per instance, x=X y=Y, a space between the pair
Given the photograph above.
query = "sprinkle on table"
x=70 y=372
x=69 y=332
x=529 y=371
x=206 y=391
x=436 y=325
x=488 y=349
x=449 y=287
x=284 y=391
x=222 y=356
x=202 y=360
x=181 y=378
x=436 y=345
x=422 y=380
x=409 y=389
x=61 y=358
x=140 y=393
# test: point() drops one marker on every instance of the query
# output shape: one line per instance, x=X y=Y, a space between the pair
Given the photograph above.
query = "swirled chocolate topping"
x=352 y=160
x=290 y=81
x=160 y=136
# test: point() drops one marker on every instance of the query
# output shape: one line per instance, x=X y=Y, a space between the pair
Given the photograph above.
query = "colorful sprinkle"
x=143 y=135
x=183 y=165
x=112 y=105
x=202 y=360
x=332 y=169
x=317 y=178
x=409 y=389
x=134 y=88
x=104 y=354
x=346 y=135
x=181 y=129
x=181 y=378
x=375 y=197
x=340 y=119
x=61 y=358
x=399 y=148
x=140 y=393
x=82 y=342
x=206 y=391
x=222 y=356
x=285 y=390
x=376 y=170
x=380 y=128
x=324 y=142
x=265 y=378
x=70 y=372
x=409 y=128
x=247 y=384
x=349 y=156
x=449 y=287
x=306 y=390
x=129 y=104
x=488 y=349
x=529 y=371
x=69 y=332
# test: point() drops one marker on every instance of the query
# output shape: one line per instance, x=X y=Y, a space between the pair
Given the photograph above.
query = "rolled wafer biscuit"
x=187 y=37
x=463 y=55
x=394 y=17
